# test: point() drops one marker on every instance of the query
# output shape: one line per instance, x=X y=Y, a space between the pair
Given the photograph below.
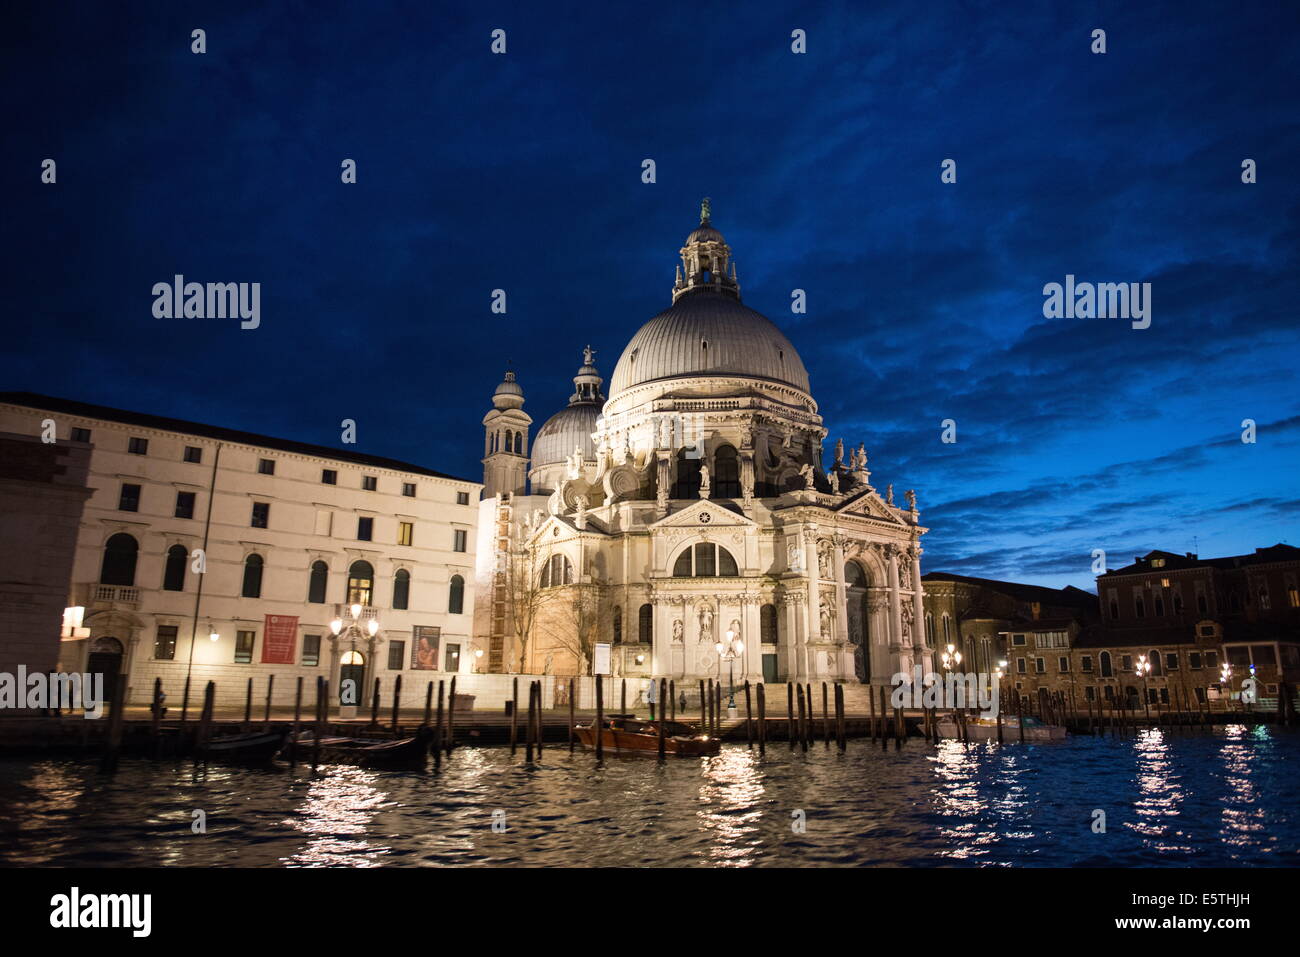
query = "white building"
x=694 y=504
x=291 y=536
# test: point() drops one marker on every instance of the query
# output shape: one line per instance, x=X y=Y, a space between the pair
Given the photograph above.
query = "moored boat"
x=626 y=734
x=251 y=748
x=986 y=729
x=367 y=752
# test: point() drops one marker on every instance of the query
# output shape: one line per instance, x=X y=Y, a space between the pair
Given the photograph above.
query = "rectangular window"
x=452 y=660
x=1040 y=666
x=1018 y=640
x=311 y=650
x=1293 y=596
x=1171 y=661
x=81 y=435
x=193 y=454
x=1052 y=639
x=129 y=500
x=460 y=540
x=1020 y=666
x=137 y=446
x=405 y=532
x=1211 y=659
x=408 y=489
x=1194 y=660
x=462 y=498
x=365 y=529
x=261 y=515
x=1126 y=663
x=266 y=466
x=1200 y=696
x=396 y=655
x=1085 y=664
x=1063 y=664
x=164 y=645
x=1139 y=606
x=369 y=483
x=244 y=647
x=329 y=477
x=184 y=504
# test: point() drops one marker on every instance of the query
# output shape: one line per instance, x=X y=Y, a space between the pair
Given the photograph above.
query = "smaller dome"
x=565 y=431
x=509 y=394
x=704 y=233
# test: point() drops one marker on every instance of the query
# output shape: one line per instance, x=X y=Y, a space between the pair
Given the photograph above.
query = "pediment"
x=870 y=505
x=704 y=514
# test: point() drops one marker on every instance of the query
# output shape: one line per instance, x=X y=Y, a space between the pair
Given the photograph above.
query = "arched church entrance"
x=855 y=598
x=106 y=658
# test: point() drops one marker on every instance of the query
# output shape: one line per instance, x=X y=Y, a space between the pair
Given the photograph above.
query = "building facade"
x=223 y=555
x=690 y=506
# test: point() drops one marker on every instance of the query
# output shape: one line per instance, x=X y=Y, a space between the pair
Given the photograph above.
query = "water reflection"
x=341 y=802
x=729 y=797
x=1243 y=817
x=1160 y=794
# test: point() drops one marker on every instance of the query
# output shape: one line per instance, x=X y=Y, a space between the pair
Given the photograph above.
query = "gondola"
x=366 y=752
x=253 y=748
x=626 y=734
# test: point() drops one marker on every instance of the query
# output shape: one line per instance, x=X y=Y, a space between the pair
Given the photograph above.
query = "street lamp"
x=1225 y=678
x=1143 y=669
x=729 y=653
x=353 y=629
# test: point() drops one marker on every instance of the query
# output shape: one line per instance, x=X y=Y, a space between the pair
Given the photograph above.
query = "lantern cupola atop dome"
x=707 y=265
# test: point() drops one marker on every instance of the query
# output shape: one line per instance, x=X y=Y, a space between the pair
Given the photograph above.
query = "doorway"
x=352 y=668
x=106 y=658
x=769 y=668
x=452 y=662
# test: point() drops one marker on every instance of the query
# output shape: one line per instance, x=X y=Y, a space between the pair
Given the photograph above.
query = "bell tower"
x=706 y=261
x=505 y=442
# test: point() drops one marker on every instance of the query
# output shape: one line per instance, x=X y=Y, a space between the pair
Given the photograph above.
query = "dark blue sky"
x=522 y=172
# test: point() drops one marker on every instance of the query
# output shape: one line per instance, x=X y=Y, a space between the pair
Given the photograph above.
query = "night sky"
x=523 y=172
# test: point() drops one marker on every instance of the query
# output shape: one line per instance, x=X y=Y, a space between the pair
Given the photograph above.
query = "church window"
x=767 y=624
x=618 y=625
x=174 y=570
x=646 y=625
x=402 y=589
x=456 y=596
x=316 y=584
x=510 y=441
x=1107 y=669
x=726 y=473
x=252 y=577
x=688 y=476
x=557 y=570
x=705 y=560
x=519 y=442
x=119 y=560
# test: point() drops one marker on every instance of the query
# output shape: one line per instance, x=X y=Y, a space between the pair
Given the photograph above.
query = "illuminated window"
x=361 y=583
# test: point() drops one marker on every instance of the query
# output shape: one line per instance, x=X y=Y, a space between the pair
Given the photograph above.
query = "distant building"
x=42 y=494
x=990 y=621
x=289 y=536
x=1173 y=606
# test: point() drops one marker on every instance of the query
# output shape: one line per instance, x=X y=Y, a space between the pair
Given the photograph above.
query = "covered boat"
x=252 y=748
x=367 y=752
x=625 y=733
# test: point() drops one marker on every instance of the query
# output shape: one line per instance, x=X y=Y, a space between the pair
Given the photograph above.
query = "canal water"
x=1221 y=799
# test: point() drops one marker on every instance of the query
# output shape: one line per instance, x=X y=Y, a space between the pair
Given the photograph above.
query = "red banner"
x=279 y=639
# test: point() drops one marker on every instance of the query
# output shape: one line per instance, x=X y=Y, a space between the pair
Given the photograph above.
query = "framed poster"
x=279 y=639
x=600 y=663
x=424 y=647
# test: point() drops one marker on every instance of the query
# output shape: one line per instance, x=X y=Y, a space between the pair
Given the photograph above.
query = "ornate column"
x=895 y=602
x=841 y=592
x=812 y=600
x=752 y=629
x=924 y=652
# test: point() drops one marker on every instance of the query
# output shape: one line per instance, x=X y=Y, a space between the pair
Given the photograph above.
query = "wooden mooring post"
x=884 y=719
x=155 y=729
x=789 y=713
x=803 y=739
x=451 y=715
x=428 y=706
x=871 y=723
x=185 y=707
x=374 y=705
x=826 y=717
x=248 y=707
x=749 y=720
x=541 y=725
x=531 y=727
x=297 y=720
x=704 y=709
x=436 y=743
x=762 y=720
x=514 y=715
x=397 y=700
x=321 y=694
x=672 y=700
x=662 y=723
x=598 y=729
x=572 y=705
x=622 y=698
x=205 y=720
x=840 y=737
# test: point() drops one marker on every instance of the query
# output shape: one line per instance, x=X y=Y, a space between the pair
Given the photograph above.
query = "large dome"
x=563 y=432
x=706 y=333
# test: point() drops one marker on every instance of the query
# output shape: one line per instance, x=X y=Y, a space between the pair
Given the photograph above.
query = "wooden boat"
x=986 y=729
x=253 y=748
x=367 y=752
x=626 y=734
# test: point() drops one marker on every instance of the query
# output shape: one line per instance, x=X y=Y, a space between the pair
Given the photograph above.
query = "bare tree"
x=520 y=567
x=572 y=621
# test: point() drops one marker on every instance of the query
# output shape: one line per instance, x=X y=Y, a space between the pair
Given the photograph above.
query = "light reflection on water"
x=1169 y=798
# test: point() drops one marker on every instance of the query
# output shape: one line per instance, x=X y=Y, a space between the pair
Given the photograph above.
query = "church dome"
x=571 y=428
x=708 y=331
x=565 y=431
x=509 y=394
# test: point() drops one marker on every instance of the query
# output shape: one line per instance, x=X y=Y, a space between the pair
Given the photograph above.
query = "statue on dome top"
x=588 y=355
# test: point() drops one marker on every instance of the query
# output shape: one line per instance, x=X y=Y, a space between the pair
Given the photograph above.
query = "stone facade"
x=697 y=504
x=299 y=522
